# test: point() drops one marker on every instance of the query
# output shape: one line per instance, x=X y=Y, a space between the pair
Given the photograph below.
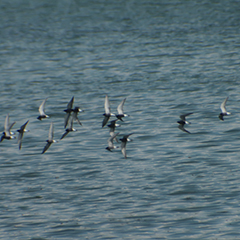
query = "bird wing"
x=120 y=106
x=6 y=124
x=66 y=118
x=105 y=120
x=50 y=134
x=182 y=128
x=75 y=117
x=183 y=117
x=107 y=105
x=41 y=107
x=65 y=134
x=222 y=106
x=70 y=104
x=46 y=147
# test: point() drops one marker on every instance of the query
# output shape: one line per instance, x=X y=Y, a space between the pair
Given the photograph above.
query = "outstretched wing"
x=120 y=106
x=223 y=106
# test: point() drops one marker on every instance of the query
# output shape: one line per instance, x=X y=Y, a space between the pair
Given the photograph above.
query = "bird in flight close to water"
x=223 y=110
x=120 y=114
x=107 y=113
x=41 y=110
x=124 y=141
x=7 y=134
x=50 y=139
x=21 y=131
x=183 y=121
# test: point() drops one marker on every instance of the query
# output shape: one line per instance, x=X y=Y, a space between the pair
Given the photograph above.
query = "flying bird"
x=76 y=110
x=50 y=139
x=7 y=130
x=223 y=110
x=107 y=113
x=21 y=132
x=68 y=112
x=70 y=129
x=183 y=121
x=124 y=141
x=110 y=142
x=120 y=114
x=41 y=110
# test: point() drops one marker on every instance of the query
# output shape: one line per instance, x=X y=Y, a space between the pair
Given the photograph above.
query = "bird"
x=75 y=111
x=223 y=110
x=68 y=112
x=107 y=113
x=112 y=127
x=110 y=142
x=120 y=114
x=183 y=121
x=7 y=130
x=41 y=110
x=50 y=139
x=70 y=129
x=124 y=141
x=21 y=132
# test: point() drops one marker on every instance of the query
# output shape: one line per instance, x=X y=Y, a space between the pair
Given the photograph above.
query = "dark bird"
x=223 y=110
x=21 y=132
x=41 y=110
x=50 y=139
x=68 y=112
x=110 y=142
x=75 y=111
x=7 y=134
x=120 y=114
x=183 y=121
x=107 y=113
x=69 y=129
x=124 y=141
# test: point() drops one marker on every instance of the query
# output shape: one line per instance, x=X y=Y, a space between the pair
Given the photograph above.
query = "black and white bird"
x=124 y=141
x=7 y=134
x=69 y=129
x=68 y=112
x=41 y=110
x=50 y=139
x=183 y=121
x=75 y=111
x=120 y=114
x=110 y=142
x=107 y=113
x=21 y=131
x=223 y=110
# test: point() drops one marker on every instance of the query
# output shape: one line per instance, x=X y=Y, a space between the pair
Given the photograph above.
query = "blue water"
x=167 y=58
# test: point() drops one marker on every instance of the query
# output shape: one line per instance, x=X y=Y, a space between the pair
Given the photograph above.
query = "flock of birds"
x=72 y=115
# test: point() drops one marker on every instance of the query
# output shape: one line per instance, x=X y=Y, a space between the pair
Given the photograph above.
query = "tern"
x=21 y=132
x=107 y=113
x=68 y=112
x=41 y=110
x=50 y=139
x=120 y=114
x=183 y=121
x=7 y=129
x=124 y=141
x=223 y=110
